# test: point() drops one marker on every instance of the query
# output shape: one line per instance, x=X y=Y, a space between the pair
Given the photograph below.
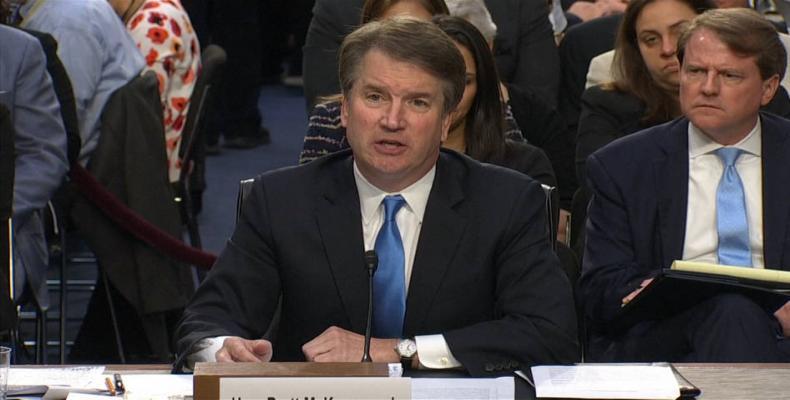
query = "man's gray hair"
x=476 y=13
x=408 y=40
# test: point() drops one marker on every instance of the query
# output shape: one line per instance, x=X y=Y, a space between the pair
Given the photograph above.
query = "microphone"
x=371 y=263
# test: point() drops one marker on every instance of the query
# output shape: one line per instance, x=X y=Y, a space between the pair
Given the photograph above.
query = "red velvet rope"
x=134 y=224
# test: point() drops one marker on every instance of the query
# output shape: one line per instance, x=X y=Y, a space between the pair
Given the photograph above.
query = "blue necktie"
x=731 y=222
x=389 y=283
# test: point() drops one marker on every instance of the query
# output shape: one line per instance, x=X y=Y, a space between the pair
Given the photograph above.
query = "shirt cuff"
x=205 y=350
x=434 y=353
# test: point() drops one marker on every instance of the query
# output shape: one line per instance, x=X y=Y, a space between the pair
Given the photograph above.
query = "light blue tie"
x=731 y=222
x=389 y=283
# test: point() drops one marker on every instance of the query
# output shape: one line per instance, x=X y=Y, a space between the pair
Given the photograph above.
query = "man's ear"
x=770 y=86
x=343 y=111
x=448 y=119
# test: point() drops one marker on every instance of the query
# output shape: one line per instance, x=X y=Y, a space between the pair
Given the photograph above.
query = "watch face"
x=407 y=348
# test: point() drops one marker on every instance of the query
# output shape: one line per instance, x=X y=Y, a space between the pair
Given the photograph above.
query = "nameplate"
x=263 y=388
x=209 y=378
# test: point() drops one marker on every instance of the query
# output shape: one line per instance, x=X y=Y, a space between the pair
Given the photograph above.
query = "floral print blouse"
x=163 y=33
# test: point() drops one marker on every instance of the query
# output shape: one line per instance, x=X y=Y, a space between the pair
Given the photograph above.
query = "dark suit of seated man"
x=465 y=268
x=667 y=193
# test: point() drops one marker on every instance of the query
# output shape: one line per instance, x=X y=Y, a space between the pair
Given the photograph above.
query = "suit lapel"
x=441 y=232
x=340 y=228
x=776 y=204
x=671 y=176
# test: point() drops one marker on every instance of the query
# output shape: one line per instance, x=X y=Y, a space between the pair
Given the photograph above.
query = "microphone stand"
x=371 y=264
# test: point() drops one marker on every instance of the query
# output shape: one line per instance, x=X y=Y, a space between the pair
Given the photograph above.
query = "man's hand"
x=236 y=349
x=339 y=345
x=783 y=316
x=633 y=294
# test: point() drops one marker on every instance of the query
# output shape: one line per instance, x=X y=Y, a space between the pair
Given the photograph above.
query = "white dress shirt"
x=705 y=170
x=432 y=349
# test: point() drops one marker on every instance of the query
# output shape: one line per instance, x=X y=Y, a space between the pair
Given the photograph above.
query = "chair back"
x=192 y=152
x=63 y=91
x=212 y=64
x=245 y=186
x=552 y=214
x=7 y=313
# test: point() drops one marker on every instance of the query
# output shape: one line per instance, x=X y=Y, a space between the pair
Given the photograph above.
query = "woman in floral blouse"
x=163 y=33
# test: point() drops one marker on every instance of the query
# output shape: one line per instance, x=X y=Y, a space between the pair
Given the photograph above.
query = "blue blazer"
x=40 y=147
x=637 y=217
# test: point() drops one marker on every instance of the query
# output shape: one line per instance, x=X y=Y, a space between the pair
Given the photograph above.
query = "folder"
x=686 y=284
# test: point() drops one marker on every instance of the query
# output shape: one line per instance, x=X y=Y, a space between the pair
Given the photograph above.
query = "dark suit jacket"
x=524 y=46
x=484 y=274
x=580 y=45
x=130 y=161
x=637 y=217
x=542 y=126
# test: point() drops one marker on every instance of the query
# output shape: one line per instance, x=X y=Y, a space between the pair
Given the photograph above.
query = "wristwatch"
x=406 y=349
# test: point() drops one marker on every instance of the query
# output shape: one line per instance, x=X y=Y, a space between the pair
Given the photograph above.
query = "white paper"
x=605 y=382
x=463 y=389
x=82 y=377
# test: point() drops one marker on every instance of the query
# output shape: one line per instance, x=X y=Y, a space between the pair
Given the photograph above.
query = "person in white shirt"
x=709 y=186
x=466 y=277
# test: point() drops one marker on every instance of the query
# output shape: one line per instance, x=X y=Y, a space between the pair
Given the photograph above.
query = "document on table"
x=148 y=387
x=83 y=377
x=462 y=389
x=605 y=382
x=55 y=383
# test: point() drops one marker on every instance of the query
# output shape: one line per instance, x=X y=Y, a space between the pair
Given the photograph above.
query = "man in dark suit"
x=711 y=187
x=524 y=48
x=465 y=240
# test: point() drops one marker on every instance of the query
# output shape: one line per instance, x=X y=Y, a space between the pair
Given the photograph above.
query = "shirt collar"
x=416 y=195
x=700 y=143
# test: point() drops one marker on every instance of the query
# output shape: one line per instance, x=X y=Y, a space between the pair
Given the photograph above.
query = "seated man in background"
x=96 y=51
x=40 y=147
x=165 y=37
x=466 y=275
x=711 y=187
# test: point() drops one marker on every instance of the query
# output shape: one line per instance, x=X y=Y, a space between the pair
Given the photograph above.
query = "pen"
x=110 y=386
x=119 y=388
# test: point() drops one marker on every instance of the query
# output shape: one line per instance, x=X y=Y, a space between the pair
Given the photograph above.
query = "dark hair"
x=4 y=12
x=408 y=40
x=746 y=33
x=374 y=9
x=631 y=73
x=484 y=133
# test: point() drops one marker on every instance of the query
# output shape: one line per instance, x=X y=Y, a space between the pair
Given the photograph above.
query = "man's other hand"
x=339 y=345
x=783 y=315
x=236 y=349
x=627 y=299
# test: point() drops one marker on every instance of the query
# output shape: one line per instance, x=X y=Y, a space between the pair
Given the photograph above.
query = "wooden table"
x=739 y=381
x=717 y=381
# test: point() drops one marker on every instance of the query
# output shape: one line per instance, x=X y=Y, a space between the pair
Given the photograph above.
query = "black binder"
x=673 y=291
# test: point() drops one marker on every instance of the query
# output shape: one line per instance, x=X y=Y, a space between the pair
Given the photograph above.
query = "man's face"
x=394 y=121
x=720 y=91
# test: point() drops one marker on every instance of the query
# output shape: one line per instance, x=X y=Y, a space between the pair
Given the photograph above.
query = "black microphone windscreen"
x=371 y=260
